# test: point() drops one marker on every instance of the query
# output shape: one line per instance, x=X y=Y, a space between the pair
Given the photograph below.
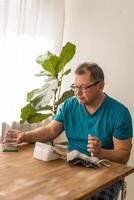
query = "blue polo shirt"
x=111 y=119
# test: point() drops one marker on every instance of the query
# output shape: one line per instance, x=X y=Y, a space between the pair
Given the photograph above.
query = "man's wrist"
x=25 y=136
x=101 y=154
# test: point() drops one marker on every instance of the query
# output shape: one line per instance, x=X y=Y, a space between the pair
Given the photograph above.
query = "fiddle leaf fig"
x=26 y=111
x=67 y=72
x=66 y=55
x=65 y=96
x=44 y=101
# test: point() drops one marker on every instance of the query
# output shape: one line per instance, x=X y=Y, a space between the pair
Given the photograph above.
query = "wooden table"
x=24 y=178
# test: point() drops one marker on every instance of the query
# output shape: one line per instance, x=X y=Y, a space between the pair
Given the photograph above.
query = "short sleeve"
x=60 y=114
x=123 y=125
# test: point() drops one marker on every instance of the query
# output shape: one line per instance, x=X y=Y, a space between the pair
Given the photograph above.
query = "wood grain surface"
x=24 y=178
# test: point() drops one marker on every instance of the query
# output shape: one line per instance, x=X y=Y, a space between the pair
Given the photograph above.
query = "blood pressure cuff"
x=75 y=157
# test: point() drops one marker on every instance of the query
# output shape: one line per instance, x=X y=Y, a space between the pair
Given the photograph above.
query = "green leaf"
x=67 y=72
x=55 y=61
x=26 y=111
x=42 y=97
x=29 y=114
x=66 y=55
x=49 y=62
x=40 y=59
x=43 y=73
x=37 y=103
x=48 y=66
x=30 y=95
x=46 y=108
x=38 y=117
x=22 y=121
x=65 y=95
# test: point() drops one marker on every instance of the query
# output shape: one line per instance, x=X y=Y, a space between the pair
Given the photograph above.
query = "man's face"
x=88 y=95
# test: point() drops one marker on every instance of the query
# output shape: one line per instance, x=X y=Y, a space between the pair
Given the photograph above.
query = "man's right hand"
x=16 y=135
x=21 y=137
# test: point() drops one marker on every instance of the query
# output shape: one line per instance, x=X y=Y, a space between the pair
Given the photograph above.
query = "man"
x=95 y=124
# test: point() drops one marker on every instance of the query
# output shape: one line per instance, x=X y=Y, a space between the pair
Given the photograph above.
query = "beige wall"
x=103 y=31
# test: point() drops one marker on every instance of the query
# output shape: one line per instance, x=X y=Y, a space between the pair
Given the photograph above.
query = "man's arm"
x=42 y=134
x=120 y=153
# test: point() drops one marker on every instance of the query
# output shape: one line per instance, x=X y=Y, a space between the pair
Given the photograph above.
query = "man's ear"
x=101 y=85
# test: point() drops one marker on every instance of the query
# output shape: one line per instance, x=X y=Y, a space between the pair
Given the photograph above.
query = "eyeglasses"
x=83 y=88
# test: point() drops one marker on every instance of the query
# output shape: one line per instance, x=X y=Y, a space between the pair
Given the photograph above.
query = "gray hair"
x=93 y=69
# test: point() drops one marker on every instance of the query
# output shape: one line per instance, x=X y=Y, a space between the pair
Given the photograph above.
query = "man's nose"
x=78 y=91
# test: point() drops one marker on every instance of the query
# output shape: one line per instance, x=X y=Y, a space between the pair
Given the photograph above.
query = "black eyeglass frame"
x=84 y=88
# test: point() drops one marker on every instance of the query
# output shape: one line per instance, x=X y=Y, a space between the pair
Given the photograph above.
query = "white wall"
x=103 y=31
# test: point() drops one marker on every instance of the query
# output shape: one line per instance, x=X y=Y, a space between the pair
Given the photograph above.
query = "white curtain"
x=27 y=29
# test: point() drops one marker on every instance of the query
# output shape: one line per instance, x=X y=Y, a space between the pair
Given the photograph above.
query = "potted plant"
x=43 y=102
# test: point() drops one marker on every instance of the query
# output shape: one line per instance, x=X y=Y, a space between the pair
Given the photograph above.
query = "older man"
x=94 y=123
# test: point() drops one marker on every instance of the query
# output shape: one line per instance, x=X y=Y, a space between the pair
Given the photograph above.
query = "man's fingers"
x=93 y=139
x=91 y=145
x=92 y=148
x=92 y=152
x=95 y=143
x=3 y=141
x=19 y=138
